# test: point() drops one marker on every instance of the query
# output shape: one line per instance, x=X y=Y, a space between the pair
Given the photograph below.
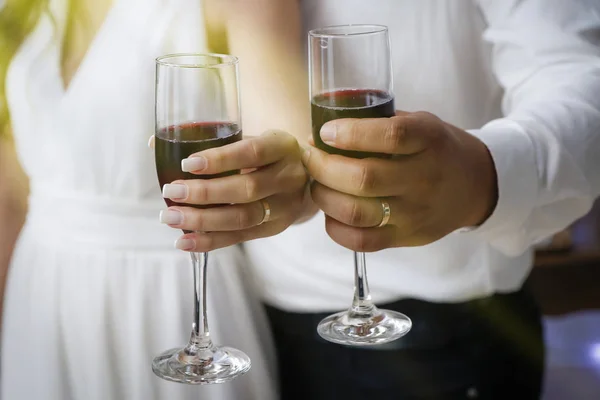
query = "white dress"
x=95 y=287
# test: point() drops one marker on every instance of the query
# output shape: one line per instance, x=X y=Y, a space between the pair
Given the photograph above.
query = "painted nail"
x=171 y=217
x=185 y=244
x=193 y=164
x=175 y=191
x=151 y=142
x=328 y=132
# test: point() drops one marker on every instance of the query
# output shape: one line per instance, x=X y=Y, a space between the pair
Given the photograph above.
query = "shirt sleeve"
x=546 y=150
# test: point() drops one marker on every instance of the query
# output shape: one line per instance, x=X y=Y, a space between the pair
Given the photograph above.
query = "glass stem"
x=361 y=304
x=200 y=347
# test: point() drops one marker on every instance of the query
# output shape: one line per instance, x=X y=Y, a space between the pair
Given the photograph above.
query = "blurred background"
x=566 y=283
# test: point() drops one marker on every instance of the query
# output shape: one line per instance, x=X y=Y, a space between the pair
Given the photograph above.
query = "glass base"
x=221 y=365
x=373 y=328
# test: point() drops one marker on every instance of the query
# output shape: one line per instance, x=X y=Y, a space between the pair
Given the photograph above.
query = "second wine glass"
x=351 y=77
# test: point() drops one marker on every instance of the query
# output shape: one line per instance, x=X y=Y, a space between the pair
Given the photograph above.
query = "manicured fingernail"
x=151 y=142
x=185 y=244
x=175 y=191
x=328 y=132
x=193 y=164
x=171 y=217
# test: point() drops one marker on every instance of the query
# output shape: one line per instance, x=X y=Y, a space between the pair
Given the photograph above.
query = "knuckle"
x=353 y=214
x=252 y=188
x=426 y=123
x=245 y=218
x=197 y=222
x=289 y=142
x=395 y=133
x=440 y=143
x=423 y=114
x=364 y=178
x=350 y=136
x=255 y=150
x=199 y=194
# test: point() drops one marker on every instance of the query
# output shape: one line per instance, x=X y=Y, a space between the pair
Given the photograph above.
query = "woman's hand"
x=437 y=179
x=268 y=196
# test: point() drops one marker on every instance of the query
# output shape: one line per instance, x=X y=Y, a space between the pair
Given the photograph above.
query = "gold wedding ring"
x=266 y=211
x=387 y=212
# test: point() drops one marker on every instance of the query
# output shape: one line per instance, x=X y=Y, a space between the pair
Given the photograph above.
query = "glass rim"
x=226 y=60
x=369 y=29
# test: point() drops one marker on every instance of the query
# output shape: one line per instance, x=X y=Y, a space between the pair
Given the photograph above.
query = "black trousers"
x=484 y=349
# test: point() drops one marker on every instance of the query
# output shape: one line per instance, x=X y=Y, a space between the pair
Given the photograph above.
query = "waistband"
x=76 y=219
x=435 y=325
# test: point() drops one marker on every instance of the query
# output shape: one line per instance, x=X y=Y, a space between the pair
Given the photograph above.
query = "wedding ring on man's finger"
x=266 y=211
x=387 y=212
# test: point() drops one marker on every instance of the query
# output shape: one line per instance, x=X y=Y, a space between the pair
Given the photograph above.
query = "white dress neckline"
x=93 y=43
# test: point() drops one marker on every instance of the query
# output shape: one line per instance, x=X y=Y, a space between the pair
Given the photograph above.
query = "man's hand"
x=437 y=179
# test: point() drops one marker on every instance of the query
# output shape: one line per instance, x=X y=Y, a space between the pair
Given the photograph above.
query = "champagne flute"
x=197 y=108
x=351 y=77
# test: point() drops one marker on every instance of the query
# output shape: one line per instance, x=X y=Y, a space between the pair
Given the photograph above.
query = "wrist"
x=484 y=184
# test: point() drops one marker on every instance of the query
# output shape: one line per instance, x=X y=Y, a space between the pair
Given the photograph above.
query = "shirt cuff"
x=514 y=158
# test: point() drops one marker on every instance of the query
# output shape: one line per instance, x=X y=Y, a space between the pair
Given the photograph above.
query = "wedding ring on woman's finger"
x=387 y=213
x=266 y=211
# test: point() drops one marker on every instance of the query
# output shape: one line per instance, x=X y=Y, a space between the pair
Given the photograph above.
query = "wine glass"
x=351 y=77
x=197 y=108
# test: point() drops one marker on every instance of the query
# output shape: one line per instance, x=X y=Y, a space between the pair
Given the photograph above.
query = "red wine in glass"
x=196 y=87
x=351 y=76
x=191 y=138
x=349 y=103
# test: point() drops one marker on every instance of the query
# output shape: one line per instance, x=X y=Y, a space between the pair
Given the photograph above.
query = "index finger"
x=402 y=135
x=254 y=152
x=369 y=177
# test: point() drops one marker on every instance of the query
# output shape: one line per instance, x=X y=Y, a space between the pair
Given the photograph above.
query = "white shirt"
x=524 y=77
